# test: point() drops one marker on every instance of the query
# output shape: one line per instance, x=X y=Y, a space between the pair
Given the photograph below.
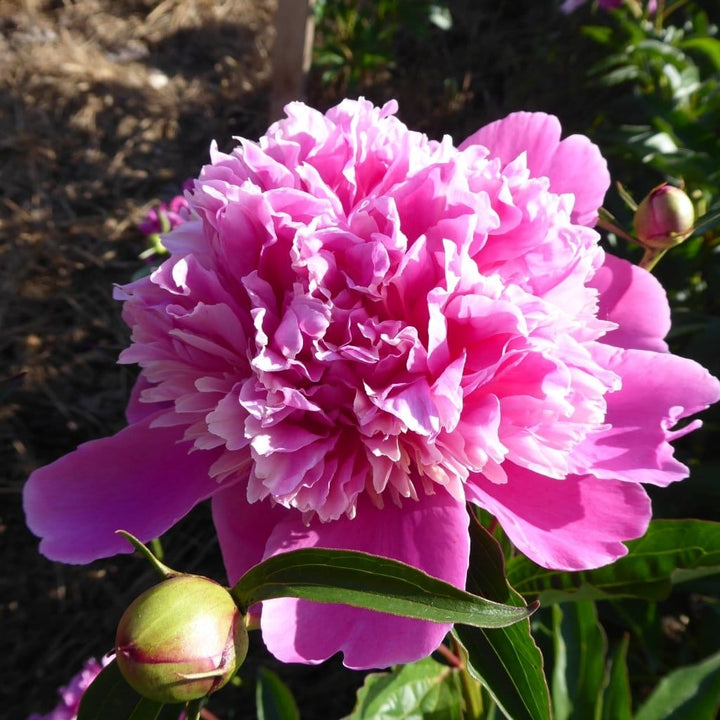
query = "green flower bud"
x=664 y=218
x=181 y=640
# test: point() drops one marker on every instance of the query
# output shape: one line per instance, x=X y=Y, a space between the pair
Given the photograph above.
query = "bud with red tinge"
x=181 y=640
x=664 y=218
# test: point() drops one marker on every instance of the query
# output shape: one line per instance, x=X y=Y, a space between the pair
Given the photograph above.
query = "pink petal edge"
x=573 y=524
x=141 y=480
x=659 y=390
x=636 y=301
x=573 y=165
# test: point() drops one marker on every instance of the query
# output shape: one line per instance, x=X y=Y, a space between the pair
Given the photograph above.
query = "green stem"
x=157 y=548
x=650 y=258
x=472 y=695
x=193 y=709
x=164 y=571
x=470 y=688
x=606 y=224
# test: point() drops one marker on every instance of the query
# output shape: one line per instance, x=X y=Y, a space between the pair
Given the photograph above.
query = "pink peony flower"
x=165 y=216
x=70 y=696
x=360 y=331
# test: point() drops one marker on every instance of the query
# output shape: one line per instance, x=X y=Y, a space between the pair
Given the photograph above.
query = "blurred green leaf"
x=648 y=570
x=109 y=697
x=709 y=221
x=709 y=47
x=507 y=661
x=688 y=692
x=624 y=74
x=369 y=581
x=425 y=689
x=578 y=673
x=273 y=699
x=665 y=51
x=617 y=697
x=599 y=33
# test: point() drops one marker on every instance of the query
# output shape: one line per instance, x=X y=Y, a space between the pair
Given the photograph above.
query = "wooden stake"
x=292 y=53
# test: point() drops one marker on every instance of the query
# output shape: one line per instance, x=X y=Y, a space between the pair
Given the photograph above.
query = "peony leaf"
x=709 y=47
x=425 y=689
x=617 y=697
x=709 y=221
x=580 y=648
x=348 y=577
x=109 y=697
x=507 y=661
x=672 y=551
x=692 y=691
x=273 y=698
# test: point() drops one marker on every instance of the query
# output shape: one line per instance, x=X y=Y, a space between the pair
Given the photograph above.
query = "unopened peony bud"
x=181 y=640
x=664 y=218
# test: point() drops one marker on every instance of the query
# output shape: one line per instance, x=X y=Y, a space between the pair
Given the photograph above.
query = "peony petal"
x=364 y=323
x=138 y=410
x=658 y=390
x=573 y=165
x=572 y=524
x=141 y=480
x=430 y=534
x=243 y=529
x=636 y=301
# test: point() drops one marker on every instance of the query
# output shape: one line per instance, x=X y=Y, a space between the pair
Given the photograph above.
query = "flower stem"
x=650 y=258
x=451 y=658
x=163 y=570
x=193 y=711
x=606 y=224
x=472 y=695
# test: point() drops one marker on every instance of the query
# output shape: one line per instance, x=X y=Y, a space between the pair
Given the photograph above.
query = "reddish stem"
x=450 y=656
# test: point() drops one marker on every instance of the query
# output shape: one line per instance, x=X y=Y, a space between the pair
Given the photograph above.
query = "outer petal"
x=137 y=410
x=141 y=480
x=430 y=534
x=573 y=165
x=658 y=390
x=244 y=528
x=572 y=524
x=636 y=301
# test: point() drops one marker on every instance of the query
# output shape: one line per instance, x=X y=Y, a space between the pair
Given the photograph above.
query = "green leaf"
x=598 y=33
x=662 y=50
x=580 y=648
x=507 y=661
x=671 y=551
x=709 y=221
x=709 y=47
x=425 y=690
x=617 y=697
x=273 y=698
x=688 y=692
x=347 y=577
x=109 y=697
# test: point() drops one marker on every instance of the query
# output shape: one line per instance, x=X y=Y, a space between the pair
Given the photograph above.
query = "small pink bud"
x=664 y=218
x=181 y=640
